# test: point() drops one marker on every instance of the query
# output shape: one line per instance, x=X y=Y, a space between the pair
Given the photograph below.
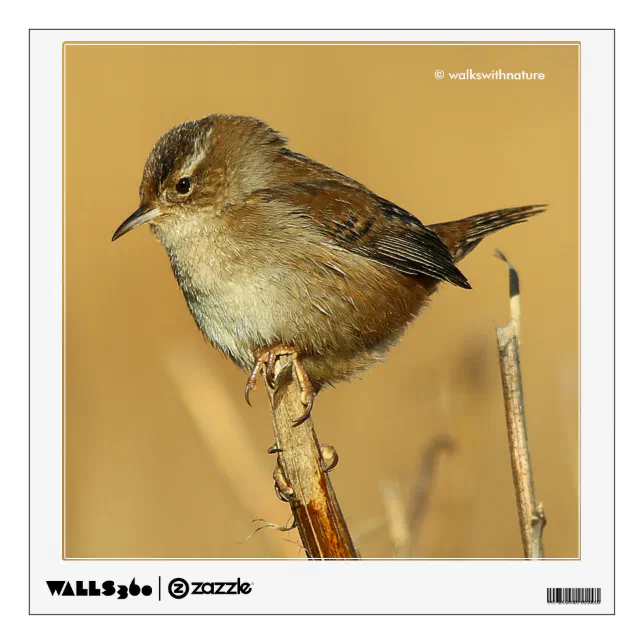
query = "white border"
x=395 y=586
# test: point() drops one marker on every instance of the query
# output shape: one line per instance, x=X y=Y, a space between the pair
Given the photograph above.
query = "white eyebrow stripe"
x=193 y=161
x=198 y=155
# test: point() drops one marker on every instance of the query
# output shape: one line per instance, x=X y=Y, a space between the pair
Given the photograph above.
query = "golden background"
x=164 y=458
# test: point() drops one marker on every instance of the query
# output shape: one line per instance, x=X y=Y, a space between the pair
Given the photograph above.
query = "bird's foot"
x=329 y=456
x=266 y=360
x=282 y=488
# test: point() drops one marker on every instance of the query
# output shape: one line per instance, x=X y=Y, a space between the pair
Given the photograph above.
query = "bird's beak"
x=140 y=216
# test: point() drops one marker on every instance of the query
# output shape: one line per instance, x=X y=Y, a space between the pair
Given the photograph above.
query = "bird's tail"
x=462 y=236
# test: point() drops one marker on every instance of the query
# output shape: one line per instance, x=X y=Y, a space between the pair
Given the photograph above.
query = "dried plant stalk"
x=531 y=515
x=419 y=506
x=396 y=514
x=318 y=517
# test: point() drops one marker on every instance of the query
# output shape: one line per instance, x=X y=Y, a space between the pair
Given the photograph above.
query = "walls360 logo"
x=94 y=589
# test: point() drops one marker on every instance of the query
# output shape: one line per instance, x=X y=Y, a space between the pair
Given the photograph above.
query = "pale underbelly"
x=247 y=313
x=238 y=326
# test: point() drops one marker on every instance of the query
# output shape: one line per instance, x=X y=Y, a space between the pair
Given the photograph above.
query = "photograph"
x=289 y=274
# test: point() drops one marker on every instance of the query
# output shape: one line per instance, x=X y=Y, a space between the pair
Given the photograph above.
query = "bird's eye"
x=183 y=186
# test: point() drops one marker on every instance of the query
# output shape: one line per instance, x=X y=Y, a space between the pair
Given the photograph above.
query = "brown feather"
x=463 y=236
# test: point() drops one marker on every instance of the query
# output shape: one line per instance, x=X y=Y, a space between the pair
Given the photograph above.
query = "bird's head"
x=199 y=167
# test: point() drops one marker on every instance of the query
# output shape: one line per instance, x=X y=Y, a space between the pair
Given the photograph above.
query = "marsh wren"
x=279 y=255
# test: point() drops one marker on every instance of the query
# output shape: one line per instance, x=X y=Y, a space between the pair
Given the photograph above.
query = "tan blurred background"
x=164 y=458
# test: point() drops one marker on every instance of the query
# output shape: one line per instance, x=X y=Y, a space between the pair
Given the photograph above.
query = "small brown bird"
x=278 y=255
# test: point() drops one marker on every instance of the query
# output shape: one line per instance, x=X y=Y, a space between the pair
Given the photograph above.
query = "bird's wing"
x=354 y=219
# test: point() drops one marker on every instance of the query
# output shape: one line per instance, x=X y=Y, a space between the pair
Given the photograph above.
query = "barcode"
x=574 y=595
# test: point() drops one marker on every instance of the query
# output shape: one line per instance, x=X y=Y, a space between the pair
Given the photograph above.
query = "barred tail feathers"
x=463 y=235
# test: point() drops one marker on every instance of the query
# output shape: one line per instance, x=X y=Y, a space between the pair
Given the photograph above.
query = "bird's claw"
x=251 y=383
x=269 y=369
x=267 y=361
x=307 y=396
x=307 y=412
x=282 y=488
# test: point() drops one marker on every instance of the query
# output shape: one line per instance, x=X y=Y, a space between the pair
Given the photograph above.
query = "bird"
x=279 y=256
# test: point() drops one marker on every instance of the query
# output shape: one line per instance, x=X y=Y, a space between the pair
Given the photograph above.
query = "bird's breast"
x=319 y=301
x=241 y=303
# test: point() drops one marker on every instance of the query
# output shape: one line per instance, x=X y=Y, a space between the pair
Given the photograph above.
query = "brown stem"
x=318 y=517
x=531 y=515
